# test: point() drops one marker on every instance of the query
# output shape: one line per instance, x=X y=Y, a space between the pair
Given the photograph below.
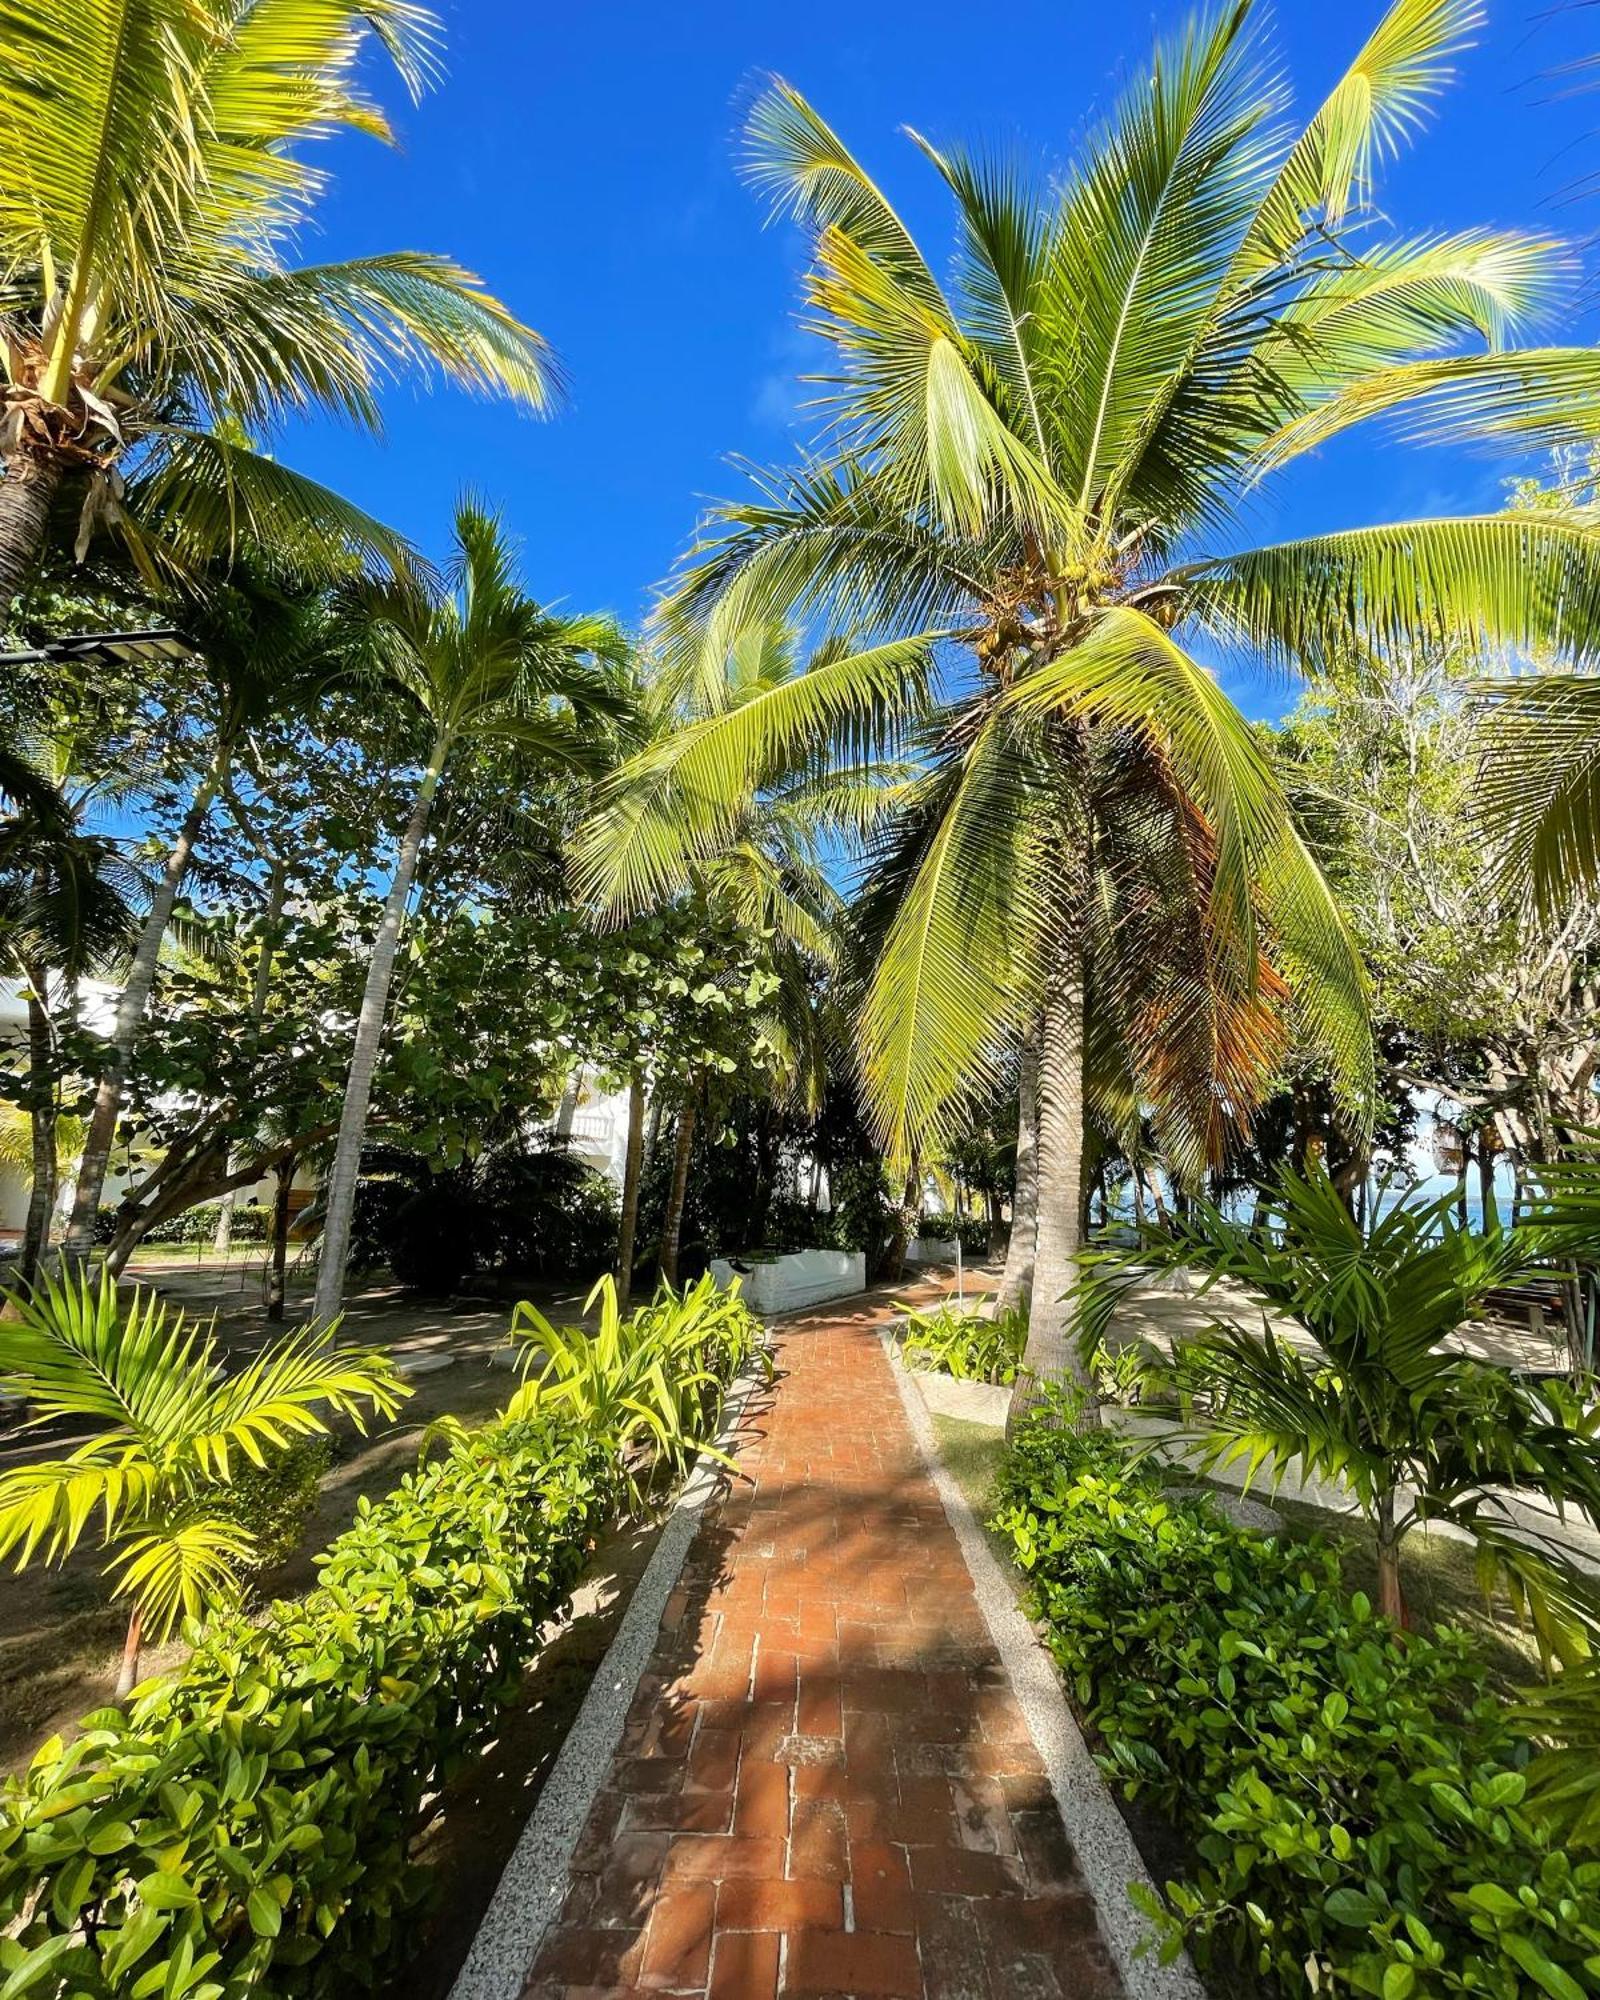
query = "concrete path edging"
x=1106 y=1854
x=534 y=1882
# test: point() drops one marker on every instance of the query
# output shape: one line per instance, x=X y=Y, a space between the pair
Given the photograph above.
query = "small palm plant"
x=172 y=1430
x=1418 y=1431
x=647 y=1383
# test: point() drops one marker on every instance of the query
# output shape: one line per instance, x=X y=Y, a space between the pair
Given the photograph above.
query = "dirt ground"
x=60 y=1632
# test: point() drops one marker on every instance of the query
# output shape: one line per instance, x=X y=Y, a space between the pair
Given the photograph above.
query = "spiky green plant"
x=172 y=1428
x=1378 y=1397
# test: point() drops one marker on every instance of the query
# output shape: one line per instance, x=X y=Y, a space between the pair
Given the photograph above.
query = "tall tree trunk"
x=632 y=1161
x=278 y=1253
x=260 y=993
x=364 y=1057
x=1050 y=1355
x=27 y=492
x=997 y=1227
x=131 y=1008
x=1017 y=1280
x=905 y=1223
x=41 y=1125
x=1486 y=1152
x=672 y=1221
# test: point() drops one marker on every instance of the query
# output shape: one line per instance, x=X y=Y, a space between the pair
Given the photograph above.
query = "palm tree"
x=1039 y=462
x=265 y=646
x=173 y=1427
x=69 y=902
x=1419 y=1431
x=482 y=661
x=153 y=179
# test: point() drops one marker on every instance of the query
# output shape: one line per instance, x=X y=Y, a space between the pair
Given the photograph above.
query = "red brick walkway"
x=826 y=1786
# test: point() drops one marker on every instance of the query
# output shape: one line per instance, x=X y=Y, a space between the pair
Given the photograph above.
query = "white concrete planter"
x=972 y=1402
x=932 y=1250
x=802 y=1278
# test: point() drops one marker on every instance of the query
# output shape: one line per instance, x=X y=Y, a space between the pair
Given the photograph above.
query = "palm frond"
x=1538 y=792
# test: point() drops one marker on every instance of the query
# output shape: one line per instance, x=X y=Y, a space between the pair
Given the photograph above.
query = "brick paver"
x=826 y=1786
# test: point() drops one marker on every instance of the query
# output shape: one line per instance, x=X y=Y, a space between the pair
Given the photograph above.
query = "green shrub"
x=245 y=1827
x=199 y=1225
x=942 y=1226
x=1353 y=1798
x=272 y=1502
x=950 y=1341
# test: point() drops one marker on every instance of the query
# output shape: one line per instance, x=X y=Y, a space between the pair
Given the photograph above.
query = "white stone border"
x=533 y=1886
x=1099 y=1835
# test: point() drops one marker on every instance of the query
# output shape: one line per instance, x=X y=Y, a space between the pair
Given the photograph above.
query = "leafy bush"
x=1354 y=1799
x=941 y=1226
x=245 y=1828
x=966 y=1345
x=199 y=1225
x=272 y=1502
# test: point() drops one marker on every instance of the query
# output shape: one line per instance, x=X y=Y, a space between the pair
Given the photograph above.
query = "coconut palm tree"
x=1040 y=462
x=173 y=1429
x=69 y=908
x=154 y=176
x=265 y=645
x=480 y=661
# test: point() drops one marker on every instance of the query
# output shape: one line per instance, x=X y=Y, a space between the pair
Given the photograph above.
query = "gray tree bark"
x=132 y=1006
x=632 y=1162
x=1017 y=1280
x=346 y=1167
x=1051 y=1355
x=42 y=1127
x=27 y=493
x=672 y=1221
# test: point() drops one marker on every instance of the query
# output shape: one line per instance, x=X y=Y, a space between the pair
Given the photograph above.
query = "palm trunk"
x=42 y=1127
x=1017 y=1281
x=905 y=1222
x=278 y=1255
x=26 y=494
x=364 y=1057
x=1391 y=1591
x=1486 y=1152
x=672 y=1221
x=128 y=1672
x=1050 y=1355
x=131 y=1008
x=632 y=1161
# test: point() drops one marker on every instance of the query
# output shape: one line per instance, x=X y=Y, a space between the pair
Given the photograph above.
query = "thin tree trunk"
x=632 y=1162
x=131 y=1008
x=260 y=993
x=1391 y=1591
x=128 y=1672
x=27 y=492
x=278 y=1255
x=42 y=1127
x=364 y=1057
x=1050 y=1355
x=905 y=1222
x=1486 y=1153
x=672 y=1221
x=1017 y=1280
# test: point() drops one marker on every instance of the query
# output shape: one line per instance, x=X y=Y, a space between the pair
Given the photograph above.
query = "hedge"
x=244 y=1828
x=1352 y=1796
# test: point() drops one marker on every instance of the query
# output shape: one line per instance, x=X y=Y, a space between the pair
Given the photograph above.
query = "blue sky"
x=582 y=161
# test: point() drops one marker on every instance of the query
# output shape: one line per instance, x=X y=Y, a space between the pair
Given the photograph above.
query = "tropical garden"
x=907 y=872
